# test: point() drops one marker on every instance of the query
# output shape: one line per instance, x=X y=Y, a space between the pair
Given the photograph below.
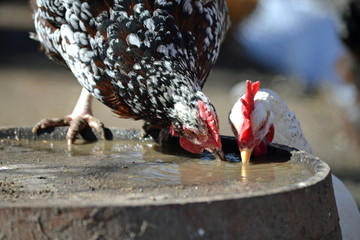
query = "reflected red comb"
x=248 y=100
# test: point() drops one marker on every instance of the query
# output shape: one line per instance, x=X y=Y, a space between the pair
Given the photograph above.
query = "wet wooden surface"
x=125 y=188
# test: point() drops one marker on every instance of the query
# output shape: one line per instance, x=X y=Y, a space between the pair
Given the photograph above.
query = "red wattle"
x=191 y=147
x=260 y=149
x=270 y=135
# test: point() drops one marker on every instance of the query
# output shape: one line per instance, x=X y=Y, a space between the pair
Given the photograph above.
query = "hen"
x=145 y=59
x=260 y=117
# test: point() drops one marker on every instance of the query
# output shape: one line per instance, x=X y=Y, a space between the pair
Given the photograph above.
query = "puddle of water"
x=134 y=166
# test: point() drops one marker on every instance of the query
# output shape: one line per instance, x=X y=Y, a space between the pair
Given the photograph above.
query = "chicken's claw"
x=76 y=124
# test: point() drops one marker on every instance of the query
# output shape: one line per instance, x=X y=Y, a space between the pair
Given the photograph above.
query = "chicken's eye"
x=262 y=126
x=190 y=132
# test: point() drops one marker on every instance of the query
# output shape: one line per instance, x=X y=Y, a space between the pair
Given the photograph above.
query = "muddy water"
x=124 y=171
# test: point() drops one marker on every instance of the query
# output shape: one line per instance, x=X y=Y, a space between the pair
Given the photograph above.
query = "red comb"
x=208 y=117
x=248 y=100
x=247 y=108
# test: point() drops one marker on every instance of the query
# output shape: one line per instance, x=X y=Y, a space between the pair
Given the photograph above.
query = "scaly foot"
x=76 y=124
x=77 y=121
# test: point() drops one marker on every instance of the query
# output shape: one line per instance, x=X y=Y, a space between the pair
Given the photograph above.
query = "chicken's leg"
x=77 y=120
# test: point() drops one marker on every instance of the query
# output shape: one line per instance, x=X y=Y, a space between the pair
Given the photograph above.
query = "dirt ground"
x=32 y=87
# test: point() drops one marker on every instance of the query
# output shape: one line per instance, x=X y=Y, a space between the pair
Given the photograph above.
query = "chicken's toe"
x=51 y=122
x=97 y=125
x=77 y=124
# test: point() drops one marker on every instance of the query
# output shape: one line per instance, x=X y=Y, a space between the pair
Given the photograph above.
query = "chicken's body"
x=145 y=59
x=270 y=110
x=287 y=127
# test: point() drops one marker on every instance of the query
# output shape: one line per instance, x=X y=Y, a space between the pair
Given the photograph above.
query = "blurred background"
x=306 y=51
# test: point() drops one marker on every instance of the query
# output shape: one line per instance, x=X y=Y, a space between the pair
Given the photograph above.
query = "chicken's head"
x=198 y=129
x=252 y=123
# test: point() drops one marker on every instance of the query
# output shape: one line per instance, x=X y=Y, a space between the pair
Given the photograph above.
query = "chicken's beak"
x=246 y=154
x=219 y=154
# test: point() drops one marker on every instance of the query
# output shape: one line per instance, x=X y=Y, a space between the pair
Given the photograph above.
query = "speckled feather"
x=144 y=59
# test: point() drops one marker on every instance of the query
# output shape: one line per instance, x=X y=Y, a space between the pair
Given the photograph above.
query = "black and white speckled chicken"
x=145 y=59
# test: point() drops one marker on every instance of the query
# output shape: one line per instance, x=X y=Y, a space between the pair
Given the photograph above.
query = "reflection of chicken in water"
x=261 y=116
x=220 y=172
x=192 y=173
x=144 y=59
